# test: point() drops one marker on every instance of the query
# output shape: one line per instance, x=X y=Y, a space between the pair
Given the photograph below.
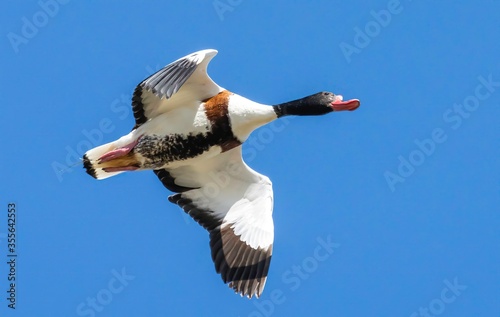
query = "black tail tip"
x=88 y=167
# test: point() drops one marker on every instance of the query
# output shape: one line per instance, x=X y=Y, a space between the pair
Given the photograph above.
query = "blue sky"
x=390 y=210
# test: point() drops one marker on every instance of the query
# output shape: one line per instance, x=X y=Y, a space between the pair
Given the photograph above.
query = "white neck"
x=246 y=115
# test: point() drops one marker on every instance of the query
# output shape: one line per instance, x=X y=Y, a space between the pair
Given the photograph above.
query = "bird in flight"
x=189 y=131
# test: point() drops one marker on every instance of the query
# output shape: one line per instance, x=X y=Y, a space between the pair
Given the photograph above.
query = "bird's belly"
x=180 y=137
x=173 y=150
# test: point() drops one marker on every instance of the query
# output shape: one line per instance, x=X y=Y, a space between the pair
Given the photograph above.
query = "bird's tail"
x=109 y=160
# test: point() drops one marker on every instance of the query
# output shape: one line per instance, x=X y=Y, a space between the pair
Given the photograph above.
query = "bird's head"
x=317 y=104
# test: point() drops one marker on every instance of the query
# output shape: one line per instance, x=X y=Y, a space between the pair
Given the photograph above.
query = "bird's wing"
x=234 y=203
x=184 y=82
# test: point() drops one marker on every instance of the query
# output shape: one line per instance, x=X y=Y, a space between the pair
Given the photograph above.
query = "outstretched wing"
x=184 y=82
x=234 y=203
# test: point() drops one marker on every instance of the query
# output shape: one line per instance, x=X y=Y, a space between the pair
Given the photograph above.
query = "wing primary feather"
x=169 y=182
x=166 y=82
x=238 y=269
x=231 y=251
x=242 y=260
x=152 y=82
x=207 y=219
x=138 y=107
x=216 y=248
x=174 y=82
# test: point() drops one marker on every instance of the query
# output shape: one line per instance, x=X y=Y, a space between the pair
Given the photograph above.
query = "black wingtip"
x=174 y=198
x=169 y=182
x=87 y=165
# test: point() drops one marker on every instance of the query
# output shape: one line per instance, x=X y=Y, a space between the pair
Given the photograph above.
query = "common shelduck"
x=189 y=131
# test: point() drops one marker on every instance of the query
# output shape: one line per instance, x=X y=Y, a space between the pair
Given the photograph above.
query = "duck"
x=189 y=131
